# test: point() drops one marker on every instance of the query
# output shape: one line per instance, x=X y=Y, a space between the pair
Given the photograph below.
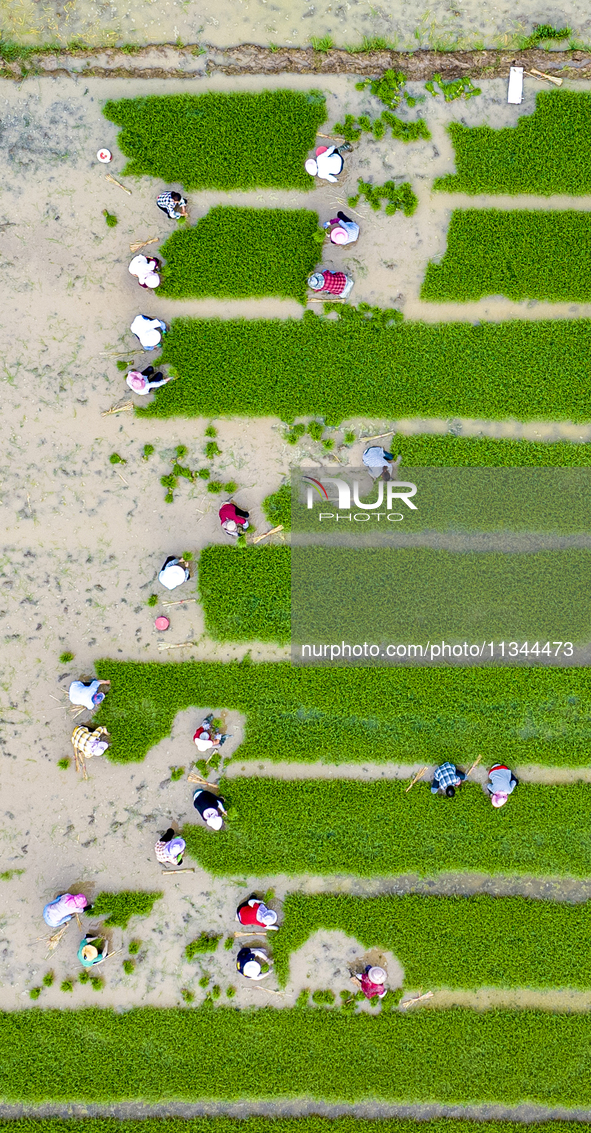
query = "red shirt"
x=228 y=511
x=248 y=914
x=334 y=282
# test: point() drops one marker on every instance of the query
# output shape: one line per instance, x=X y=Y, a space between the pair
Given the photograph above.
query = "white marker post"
x=515 y=92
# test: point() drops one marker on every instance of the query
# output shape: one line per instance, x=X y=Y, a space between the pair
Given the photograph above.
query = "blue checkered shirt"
x=445 y=776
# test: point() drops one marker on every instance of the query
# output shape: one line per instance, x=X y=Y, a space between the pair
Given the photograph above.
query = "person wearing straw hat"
x=63 y=908
x=233 y=519
x=149 y=331
x=88 y=953
x=143 y=381
x=502 y=783
x=146 y=271
x=255 y=912
x=331 y=283
x=372 y=981
x=211 y=808
x=206 y=736
x=328 y=162
x=342 y=230
x=254 y=963
x=446 y=778
x=88 y=744
x=170 y=848
x=174 y=573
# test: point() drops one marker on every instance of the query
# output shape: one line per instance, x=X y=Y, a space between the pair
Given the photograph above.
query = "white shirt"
x=147 y=330
x=374 y=457
x=351 y=229
x=329 y=164
x=141 y=267
x=82 y=694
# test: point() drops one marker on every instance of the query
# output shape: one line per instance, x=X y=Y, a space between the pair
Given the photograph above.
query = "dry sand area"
x=84 y=539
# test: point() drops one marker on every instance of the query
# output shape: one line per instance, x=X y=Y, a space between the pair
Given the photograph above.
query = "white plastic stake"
x=515 y=92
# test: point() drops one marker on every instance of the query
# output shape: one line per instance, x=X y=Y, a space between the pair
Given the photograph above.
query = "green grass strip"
x=220 y=141
x=365 y=829
x=534 y=715
x=547 y=152
x=353 y=366
x=342 y=593
x=246 y=596
x=454 y=942
x=445 y=1056
x=234 y=253
x=262 y=1124
x=522 y=255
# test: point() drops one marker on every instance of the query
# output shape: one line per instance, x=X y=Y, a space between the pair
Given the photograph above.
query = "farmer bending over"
x=446 y=778
x=502 y=783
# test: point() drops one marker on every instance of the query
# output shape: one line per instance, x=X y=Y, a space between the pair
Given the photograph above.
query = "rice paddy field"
x=463 y=349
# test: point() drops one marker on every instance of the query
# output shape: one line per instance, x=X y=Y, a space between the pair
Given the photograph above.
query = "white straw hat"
x=311 y=167
x=215 y=821
x=152 y=279
x=377 y=975
x=499 y=799
x=251 y=968
x=172 y=576
x=269 y=917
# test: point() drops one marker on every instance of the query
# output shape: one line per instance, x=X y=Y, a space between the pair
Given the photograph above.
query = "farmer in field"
x=146 y=271
x=87 y=694
x=88 y=953
x=149 y=331
x=174 y=573
x=380 y=463
x=331 y=283
x=170 y=848
x=342 y=230
x=255 y=912
x=63 y=908
x=143 y=381
x=446 y=778
x=87 y=743
x=172 y=204
x=501 y=784
x=233 y=519
x=328 y=162
x=371 y=981
x=253 y=963
x=206 y=736
x=210 y=807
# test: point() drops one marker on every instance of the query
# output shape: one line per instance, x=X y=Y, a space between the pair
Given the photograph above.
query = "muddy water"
x=406 y=26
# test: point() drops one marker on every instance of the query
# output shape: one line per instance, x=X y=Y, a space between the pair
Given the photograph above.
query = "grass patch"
x=481 y=941
x=121 y=907
x=547 y=152
x=306 y=828
x=534 y=715
x=494 y=252
x=537 y=1057
x=234 y=253
x=245 y=594
x=526 y=370
x=220 y=141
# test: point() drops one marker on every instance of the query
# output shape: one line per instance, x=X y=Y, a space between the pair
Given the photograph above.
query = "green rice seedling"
x=204 y=981
x=84 y=977
x=8 y=874
x=418 y=369
x=204 y=473
x=134 y=947
x=307 y=829
x=398 y=196
x=303 y=998
x=110 y=218
x=116 y=459
x=169 y=497
x=64 y=763
x=212 y=449
x=353 y=127
x=229 y=943
x=545 y=940
x=153 y=600
x=206 y=942
x=542 y=33
x=277 y=507
x=66 y=657
x=323 y=44
x=211 y=431
x=230 y=992
x=323 y=998
x=147 y=452
x=315 y=430
x=495 y=252
x=547 y=152
x=328 y=444
x=121 y=907
x=458 y=88
x=349 y=437
x=48 y=979
x=536 y=715
x=181 y=451
x=188 y=556
x=216 y=991
x=215 y=486
x=122 y=367
x=257 y=605
x=67 y=985
x=176 y=773
x=128 y=967
x=295 y=434
x=238 y=252
x=35 y=992
x=231 y=486
x=97 y=983
x=222 y=141
x=187 y=995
